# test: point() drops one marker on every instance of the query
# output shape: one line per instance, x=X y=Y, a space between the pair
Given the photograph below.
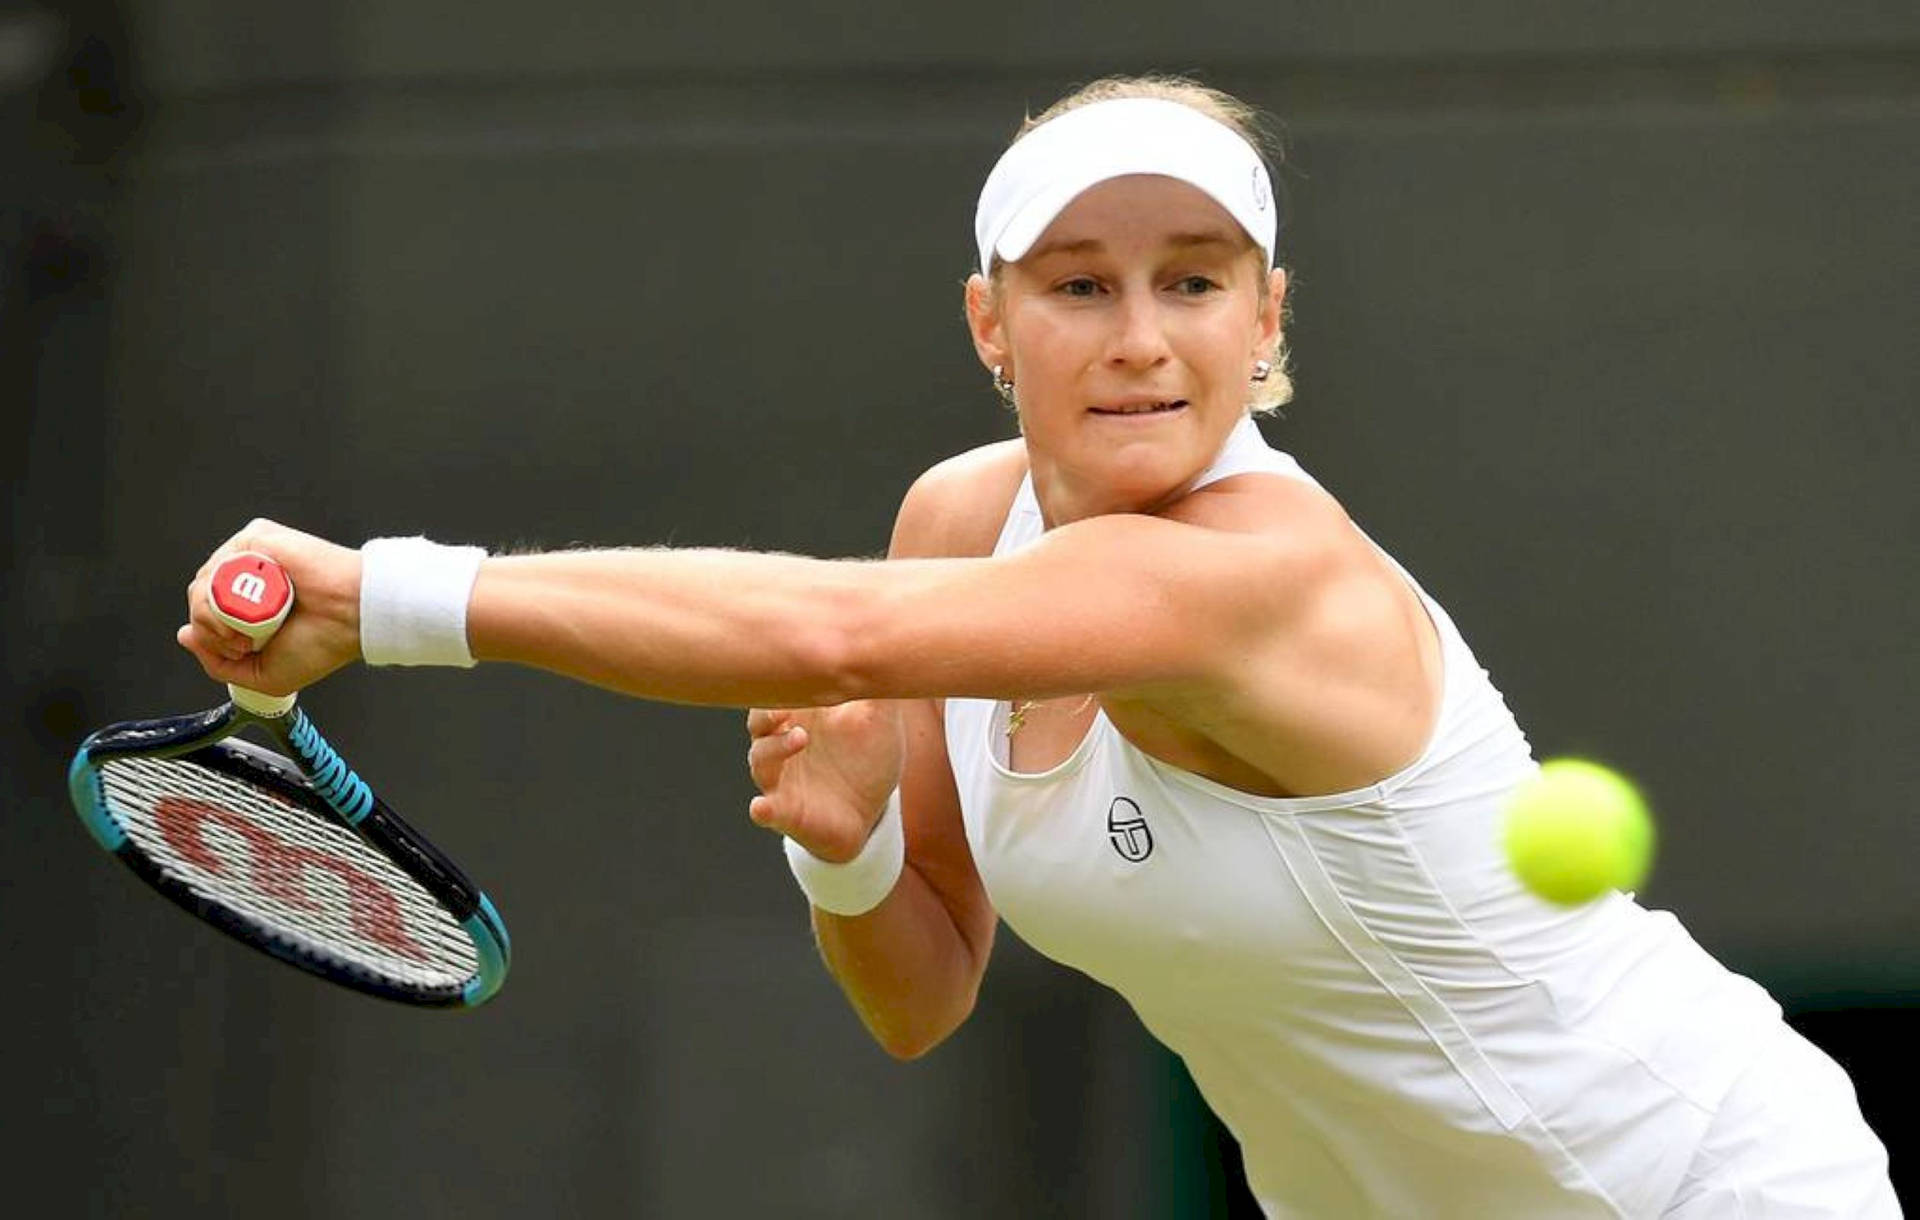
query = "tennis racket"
x=290 y=852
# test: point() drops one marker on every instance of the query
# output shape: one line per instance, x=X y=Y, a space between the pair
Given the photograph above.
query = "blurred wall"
x=1604 y=327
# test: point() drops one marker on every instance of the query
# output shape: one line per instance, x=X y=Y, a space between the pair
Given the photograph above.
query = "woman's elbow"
x=907 y=1041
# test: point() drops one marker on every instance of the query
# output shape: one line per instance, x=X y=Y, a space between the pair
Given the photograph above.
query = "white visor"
x=1050 y=166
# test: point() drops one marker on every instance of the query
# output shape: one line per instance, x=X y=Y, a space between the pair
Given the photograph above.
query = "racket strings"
x=287 y=869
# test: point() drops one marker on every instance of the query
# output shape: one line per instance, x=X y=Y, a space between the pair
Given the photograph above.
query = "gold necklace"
x=1021 y=710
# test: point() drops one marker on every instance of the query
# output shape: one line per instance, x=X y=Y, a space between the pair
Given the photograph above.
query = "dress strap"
x=1247 y=452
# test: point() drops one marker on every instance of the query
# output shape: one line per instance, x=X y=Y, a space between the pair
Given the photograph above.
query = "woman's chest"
x=1041 y=735
x=1146 y=885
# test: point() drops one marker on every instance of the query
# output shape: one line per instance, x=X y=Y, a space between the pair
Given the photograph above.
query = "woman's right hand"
x=320 y=635
x=824 y=773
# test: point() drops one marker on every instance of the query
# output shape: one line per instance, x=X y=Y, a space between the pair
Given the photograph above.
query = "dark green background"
x=1604 y=321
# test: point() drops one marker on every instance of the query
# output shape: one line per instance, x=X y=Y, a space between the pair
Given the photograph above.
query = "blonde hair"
x=1224 y=108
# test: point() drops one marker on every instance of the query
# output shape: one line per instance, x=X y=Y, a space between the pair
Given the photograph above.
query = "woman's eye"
x=1081 y=287
x=1194 y=285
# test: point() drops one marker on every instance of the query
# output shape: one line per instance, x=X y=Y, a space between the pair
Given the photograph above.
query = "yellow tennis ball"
x=1577 y=830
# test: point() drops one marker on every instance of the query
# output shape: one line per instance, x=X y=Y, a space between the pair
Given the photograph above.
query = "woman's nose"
x=1139 y=334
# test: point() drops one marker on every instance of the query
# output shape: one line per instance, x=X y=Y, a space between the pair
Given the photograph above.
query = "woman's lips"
x=1161 y=407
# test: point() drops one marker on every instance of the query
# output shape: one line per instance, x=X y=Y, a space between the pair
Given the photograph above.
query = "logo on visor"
x=1127 y=831
x=1260 y=187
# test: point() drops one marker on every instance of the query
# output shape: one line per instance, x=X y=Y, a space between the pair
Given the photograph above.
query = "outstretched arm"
x=1106 y=604
x=1253 y=613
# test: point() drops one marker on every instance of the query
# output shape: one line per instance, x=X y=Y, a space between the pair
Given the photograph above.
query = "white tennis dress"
x=1387 y=1022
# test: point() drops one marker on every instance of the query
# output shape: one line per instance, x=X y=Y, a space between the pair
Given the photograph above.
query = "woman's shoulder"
x=957 y=507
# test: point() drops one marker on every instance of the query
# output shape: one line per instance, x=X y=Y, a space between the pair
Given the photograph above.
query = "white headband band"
x=1049 y=167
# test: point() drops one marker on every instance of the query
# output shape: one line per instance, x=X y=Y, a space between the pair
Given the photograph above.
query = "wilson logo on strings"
x=278 y=870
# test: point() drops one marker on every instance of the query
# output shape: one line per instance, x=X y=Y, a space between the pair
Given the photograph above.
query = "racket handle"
x=253 y=595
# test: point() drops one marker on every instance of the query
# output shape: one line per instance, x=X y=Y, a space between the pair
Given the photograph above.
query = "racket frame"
x=310 y=774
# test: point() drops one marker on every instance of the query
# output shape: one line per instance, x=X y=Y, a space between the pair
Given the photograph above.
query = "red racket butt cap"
x=252 y=590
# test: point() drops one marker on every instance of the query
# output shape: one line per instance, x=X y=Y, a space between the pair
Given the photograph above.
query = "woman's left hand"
x=824 y=773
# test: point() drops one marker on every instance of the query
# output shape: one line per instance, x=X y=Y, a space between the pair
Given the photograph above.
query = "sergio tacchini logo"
x=1127 y=830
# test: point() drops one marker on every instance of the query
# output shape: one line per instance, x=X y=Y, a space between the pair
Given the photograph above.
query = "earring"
x=1261 y=370
x=1003 y=385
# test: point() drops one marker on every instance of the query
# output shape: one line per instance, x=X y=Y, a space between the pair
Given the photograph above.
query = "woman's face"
x=1130 y=330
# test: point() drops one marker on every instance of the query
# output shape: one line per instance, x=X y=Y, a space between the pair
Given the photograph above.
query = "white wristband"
x=413 y=601
x=859 y=885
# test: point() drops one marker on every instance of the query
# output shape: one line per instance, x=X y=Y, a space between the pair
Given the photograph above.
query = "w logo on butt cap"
x=251 y=588
x=1127 y=830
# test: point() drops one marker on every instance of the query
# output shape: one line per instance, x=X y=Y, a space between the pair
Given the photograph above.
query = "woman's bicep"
x=1110 y=604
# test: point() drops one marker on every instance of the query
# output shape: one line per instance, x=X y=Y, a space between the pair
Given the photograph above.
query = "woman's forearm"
x=905 y=966
x=687 y=626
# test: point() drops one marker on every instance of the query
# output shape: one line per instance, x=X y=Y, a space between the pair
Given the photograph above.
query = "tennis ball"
x=1576 y=830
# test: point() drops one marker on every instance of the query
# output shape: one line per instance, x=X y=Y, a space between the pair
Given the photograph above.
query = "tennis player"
x=1136 y=684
